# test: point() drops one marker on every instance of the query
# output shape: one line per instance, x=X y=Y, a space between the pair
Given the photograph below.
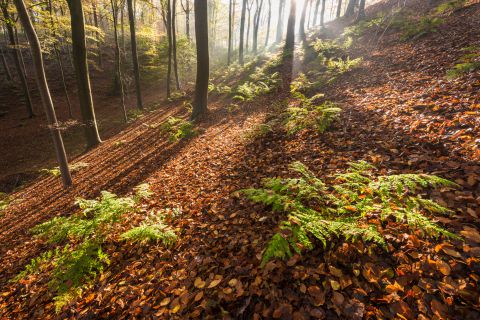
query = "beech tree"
x=200 y=101
x=45 y=92
x=79 y=51
x=281 y=8
x=302 y=19
x=242 y=33
x=136 y=69
x=290 y=39
x=9 y=26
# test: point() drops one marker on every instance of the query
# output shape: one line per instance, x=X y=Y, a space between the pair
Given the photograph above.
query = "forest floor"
x=399 y=113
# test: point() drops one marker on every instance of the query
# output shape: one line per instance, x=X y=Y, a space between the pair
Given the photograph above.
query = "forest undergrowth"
x=402 y=234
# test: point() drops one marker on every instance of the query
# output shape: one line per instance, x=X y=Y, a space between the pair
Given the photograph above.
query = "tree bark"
x=256 y=25
x=315 y=15
x=136 y=69
x=290 y=39
x=229 y=54
x=302 y=20
x=170 y=46
x=79 y=51
x=174 y=42
x=269 y=21
x=118 y=68
x=281 y=7
x=200 y=103
x=361 y=10
x=339 y=8
x=17 y=61
x=322 y=14
x=351 y=8
x=45 y=92
x=97 y=34
x=5 y=65
x=241 y=57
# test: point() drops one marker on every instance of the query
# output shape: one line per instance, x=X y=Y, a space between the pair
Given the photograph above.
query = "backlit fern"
x=467 y=63
x=307 y=114
x=178 y=129
x=77 y=263
x=340 y=211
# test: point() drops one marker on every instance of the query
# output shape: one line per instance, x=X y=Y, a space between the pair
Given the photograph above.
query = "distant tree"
x=79 y=52
x=118 y=69
x=241 y=58
x=200 y=102
x=230 y=25
x=281 y=8
x=269 y=21
x=45 y=92
x=186 y=8
x=361 y=10
x=249 y=10
x=168 y=26
x=97 y=34
x=256 y=24
x=5 y=65
x=9 y=25
x=322 y=13
x=351 y=8
x=136 y=69
x=290 y=39
x=302 y=19
x=339 y=8
x=317 y=5
x=174 y=43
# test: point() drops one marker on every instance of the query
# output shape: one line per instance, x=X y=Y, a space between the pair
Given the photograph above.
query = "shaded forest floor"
x=399 y=113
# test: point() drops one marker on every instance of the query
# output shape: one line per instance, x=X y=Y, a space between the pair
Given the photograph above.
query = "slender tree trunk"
x=45 y=92
x=200 y=103
x=59 y=59
x=339 y=9
x=281 y=7
x=16 y=59
x=351 y=8
x=315 y=16
x=122 y=30
x=81 y=70
x=361 y=10
x=256 y=24
x=249 y=9
x=269 y=21
x=322 y=14
x=170 y=49
x=174 y=42
x=290 y=39
x=242 y=33
x=136 y=69
x=97 y=34
x=5 y=65
x=186 y=9
x=302 y=20
x=230 y=14
x=118 y=69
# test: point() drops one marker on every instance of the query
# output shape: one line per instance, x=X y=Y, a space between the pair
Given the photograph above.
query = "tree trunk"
x=59 y=60
x=16 y=59
x=281 y=7
x=302 y=20
x=118 y=69
x=242 y=33
x=169 y=36
x=256 y=24
x=351 y=8
x=79 y=51
x=315 y=15
x=269 y=21
x=322 y=14
x=290 y=39
x=97 y=34
x=45 y=92
x=5 y=65
x=249 y=10
x=361 y=10
x=186 y=9
x=174 y=43
x=229 y=54
x=136 y=71
x=339 y=8
x=200 y=103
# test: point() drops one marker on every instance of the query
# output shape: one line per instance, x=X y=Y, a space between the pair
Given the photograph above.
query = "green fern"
x=339 y=211
x=178 y=129
x=79 y=261
x=153 y=229
x=308 y=115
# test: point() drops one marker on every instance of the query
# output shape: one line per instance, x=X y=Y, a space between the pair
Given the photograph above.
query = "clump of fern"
x=260 y=84
x=467 y=63
x=178 y=129
x=56 y=171
x=415 y=29
x=5 y=201
x=340 y=66
x=308 y=114
x=362 y=27
x=301 y=84
x=260 y=130
x=154 y=229
x=77 y=263
x=449 y=6
x=321 y=213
